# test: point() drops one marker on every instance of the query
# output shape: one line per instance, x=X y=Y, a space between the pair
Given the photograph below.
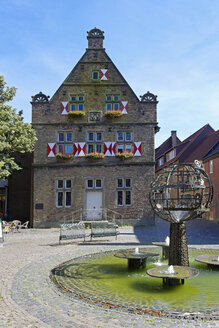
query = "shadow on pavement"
x=199 y=231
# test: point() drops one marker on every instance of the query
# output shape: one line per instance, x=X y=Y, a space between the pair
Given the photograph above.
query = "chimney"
x=95 y=38
x=174 y=140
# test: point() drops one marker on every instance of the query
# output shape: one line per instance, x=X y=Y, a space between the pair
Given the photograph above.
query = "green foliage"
x=94 y=155
x=15 y=135
x=124 y=155
x=75 y=114
x=113 y=113
x=64 y=156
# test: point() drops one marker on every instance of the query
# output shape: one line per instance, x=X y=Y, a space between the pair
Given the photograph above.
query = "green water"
x=105 y=278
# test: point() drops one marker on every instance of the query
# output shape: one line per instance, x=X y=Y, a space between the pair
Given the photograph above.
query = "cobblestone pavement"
x=28 y=297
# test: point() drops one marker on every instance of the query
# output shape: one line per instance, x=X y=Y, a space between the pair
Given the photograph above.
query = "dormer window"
x=170 y=155
x=160 y=161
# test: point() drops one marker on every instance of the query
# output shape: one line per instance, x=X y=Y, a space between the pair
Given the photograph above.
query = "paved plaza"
x=28 y=298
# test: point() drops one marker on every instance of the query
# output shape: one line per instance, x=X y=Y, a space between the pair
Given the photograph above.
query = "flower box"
x=94 y=155
x=75 y=114
x=124 y=155
x=63 y=156
x=113 y=113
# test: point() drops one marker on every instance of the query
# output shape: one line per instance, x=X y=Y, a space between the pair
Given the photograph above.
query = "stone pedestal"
x=136 y=263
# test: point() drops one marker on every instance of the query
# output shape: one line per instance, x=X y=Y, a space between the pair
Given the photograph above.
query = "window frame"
x=63 y=191
x=95 y=142
x=62 y=145
x=124 y=190
x=94 y=183
x=98 y=75
x=211 y=166
x=112 y=101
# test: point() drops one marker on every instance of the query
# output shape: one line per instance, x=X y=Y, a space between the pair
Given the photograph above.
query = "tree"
x=15 y=135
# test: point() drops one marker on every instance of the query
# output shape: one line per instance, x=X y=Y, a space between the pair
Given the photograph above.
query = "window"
x=65 y=142
x=77 y=103
x=123 y=192
x=95 y=75
x=124 y=141
x=160 y=161
x=94 y=142
x=63 y=193
x=124 y=136
x=94 y=183
x=112 y=102
x=170 y=155
x=211 y=166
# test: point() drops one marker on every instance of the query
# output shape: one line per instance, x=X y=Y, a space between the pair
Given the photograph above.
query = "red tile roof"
x=193 y=147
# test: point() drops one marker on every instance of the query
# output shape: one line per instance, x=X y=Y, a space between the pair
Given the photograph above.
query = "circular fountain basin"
x=105 y=279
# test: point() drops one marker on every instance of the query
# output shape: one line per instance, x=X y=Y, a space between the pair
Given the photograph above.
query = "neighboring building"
x=77 y=121
x=15 y=192
x=3 y=198
x=201 y=145
x=211 y=165
x=186 y=151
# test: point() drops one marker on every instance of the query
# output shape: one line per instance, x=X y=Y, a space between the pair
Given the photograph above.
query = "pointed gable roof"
x=195 y=146
x=166 y=146
x=212 y=144
x=95 y=55
x=192 y=148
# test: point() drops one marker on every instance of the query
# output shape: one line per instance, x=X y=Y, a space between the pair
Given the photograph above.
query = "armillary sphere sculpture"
x=181 y=192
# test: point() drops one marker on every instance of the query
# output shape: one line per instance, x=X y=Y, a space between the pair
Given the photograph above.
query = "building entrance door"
x=94 y=205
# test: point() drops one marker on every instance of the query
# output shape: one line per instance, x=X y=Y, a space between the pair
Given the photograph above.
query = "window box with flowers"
x=94 y=155
x=63 y=156
x=124 y=155
x=113 y=113
x=76 y=114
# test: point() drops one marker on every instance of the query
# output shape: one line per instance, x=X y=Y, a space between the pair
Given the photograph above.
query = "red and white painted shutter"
x=137 y=148
x=65 y=109
x=109 y=148
x=124 y=107
x=104 y=74
x=51 y=149
x=79 y=149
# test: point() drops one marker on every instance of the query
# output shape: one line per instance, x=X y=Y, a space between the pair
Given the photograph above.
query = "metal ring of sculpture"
x=181 y=192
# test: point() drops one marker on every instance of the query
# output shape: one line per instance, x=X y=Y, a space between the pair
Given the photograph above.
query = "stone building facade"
x=93 y=112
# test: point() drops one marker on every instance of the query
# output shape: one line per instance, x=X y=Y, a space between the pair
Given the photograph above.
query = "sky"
x=167 y=47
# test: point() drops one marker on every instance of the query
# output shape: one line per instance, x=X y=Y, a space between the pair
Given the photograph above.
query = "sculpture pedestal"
x=178 y=250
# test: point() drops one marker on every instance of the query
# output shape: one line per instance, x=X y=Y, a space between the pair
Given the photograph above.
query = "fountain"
x=181 y=192
x=167 y=241
x=158 y=263
x=171 y=270
x=105 y=279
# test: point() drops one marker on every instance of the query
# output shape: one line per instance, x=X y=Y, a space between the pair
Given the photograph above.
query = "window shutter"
x=65 y=109
x=104 y=74
x=79 y=149
x=51 y=149
x=124 y=107
x=137 y=148
x=109 y=149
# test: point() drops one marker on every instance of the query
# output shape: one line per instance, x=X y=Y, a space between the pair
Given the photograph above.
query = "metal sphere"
x=181 y=192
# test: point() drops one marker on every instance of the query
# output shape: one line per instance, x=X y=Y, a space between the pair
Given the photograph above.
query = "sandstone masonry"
x=82 y=118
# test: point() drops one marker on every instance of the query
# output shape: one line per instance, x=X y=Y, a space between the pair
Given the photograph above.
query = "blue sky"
x=170 y=48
